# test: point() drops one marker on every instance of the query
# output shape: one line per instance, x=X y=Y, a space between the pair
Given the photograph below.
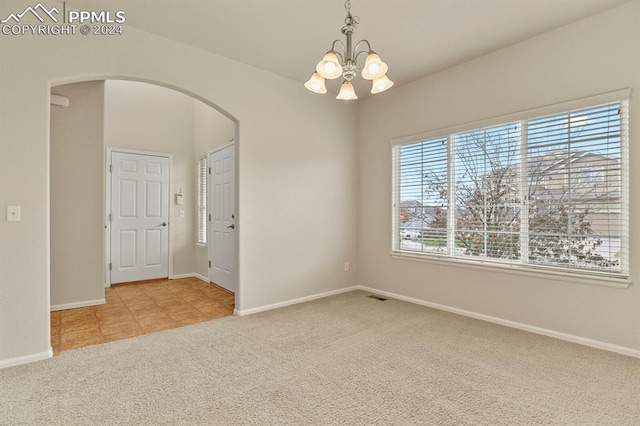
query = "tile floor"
x=139 y=308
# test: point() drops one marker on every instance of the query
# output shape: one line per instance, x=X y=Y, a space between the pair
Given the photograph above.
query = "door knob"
x=232 y=226
x=163 y=224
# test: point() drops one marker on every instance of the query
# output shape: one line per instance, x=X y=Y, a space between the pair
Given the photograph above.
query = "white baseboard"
x=190 y=275
x=201 y=277
x=513 y=324
x=73 y=305
x=293 y=301
x=180 y=276
x=12 y=362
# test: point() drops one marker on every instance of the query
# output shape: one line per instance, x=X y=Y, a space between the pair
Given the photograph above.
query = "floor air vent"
x=373 y=296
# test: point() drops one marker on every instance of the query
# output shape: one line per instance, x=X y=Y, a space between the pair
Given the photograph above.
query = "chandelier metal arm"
x=355 y=57
x=344 y=49
x=354 y=54
x=333 y=45
x=363 y=41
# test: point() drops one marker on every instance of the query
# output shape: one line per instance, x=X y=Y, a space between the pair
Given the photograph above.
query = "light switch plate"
x=13 y=213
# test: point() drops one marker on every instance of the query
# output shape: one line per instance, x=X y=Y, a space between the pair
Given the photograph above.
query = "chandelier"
x=344 y=63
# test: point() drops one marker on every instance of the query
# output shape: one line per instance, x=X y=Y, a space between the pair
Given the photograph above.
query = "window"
x=546 y=191
x=201 y=231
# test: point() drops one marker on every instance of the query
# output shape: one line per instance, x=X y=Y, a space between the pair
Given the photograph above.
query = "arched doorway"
x=133 y=115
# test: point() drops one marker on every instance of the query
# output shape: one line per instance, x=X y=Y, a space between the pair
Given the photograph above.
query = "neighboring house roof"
x=556 y=165
x=560 y=160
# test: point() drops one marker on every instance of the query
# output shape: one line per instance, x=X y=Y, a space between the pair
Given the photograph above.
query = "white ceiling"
x=414 y=37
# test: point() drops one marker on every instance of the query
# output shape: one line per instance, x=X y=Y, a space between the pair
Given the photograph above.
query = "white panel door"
x=139 y=217
x=222 y=210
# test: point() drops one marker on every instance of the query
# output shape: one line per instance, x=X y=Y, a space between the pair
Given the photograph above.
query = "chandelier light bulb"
x=374 y=68
x=316 y=84
x=381 y=84
x=329 y=67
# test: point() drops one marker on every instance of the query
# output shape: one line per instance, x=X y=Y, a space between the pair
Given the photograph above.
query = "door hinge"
x=110 y=266
x=109 y=217
x=209 y=264
x=209 y=217
x=209 y=170
x=110 y=168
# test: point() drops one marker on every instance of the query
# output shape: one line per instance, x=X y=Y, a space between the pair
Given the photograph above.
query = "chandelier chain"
x=350 y=20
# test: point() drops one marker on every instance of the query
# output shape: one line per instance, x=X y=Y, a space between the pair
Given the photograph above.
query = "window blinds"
x=574 y=189
x=202 y=201
x=548 y=191
x=423 y=204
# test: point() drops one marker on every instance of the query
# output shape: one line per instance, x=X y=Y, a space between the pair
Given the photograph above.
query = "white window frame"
x=618 y=280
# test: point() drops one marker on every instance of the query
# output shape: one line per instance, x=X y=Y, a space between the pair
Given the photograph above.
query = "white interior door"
x=139 y=225
x=222 y=218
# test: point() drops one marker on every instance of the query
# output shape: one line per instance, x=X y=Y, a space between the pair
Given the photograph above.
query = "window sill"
x=201 y=246
x=531 y=271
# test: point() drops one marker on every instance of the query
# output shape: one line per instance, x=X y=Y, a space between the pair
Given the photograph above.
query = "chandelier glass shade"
x=346 y=91
x=381 y=84
x=316 y=84
x=343 y=62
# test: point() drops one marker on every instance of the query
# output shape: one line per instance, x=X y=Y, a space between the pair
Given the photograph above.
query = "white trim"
x=507 y=323
x=293 y=301
x=111 y=149
x=513 y=324
x=604 y=98
x=201 y=277
x=74 y=305
x=12 y=362
x=107 y=204
x=231 y=142
x=190 y=275
x=519 y=269
x=625 y=239
x=181 y=276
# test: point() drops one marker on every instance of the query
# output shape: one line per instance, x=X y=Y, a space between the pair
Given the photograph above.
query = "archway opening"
x=137 y=117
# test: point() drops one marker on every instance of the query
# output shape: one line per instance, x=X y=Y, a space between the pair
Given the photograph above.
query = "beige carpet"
x=344 y=360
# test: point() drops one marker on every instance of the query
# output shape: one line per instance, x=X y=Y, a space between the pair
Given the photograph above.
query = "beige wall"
x=76 y=186
x=593 y=56
x=297 y=172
